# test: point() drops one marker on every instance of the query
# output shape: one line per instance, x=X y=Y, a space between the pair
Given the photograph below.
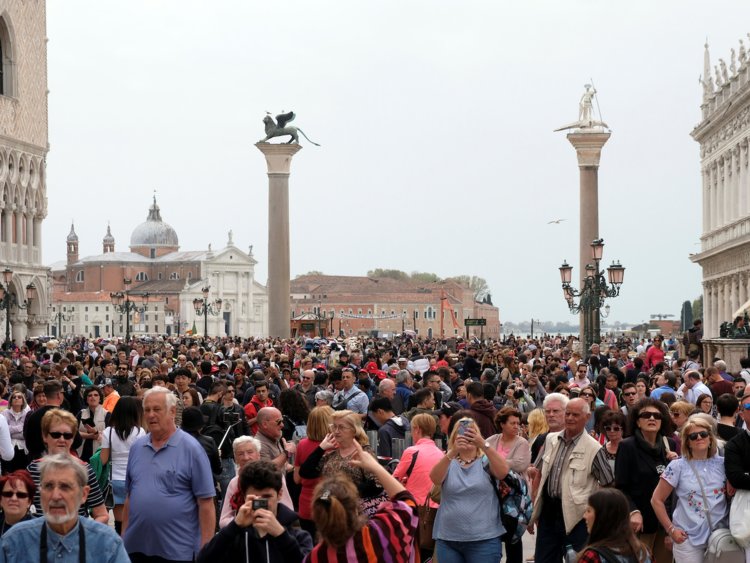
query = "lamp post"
x=331 y=315
x=203 y=308
x=538 y=322
x=593 y=293
x=59 y=317
x=9 y=299
x=122 y=304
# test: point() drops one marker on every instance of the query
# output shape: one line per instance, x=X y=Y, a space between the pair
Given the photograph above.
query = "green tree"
x=314 y=273
x=697 y=308
x=386 y=273
x=424 y=277
x=478 y=285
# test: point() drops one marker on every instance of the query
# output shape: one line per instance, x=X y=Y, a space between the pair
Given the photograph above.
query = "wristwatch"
x=486 y=445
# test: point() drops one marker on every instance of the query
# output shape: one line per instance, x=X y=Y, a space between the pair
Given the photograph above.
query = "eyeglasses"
x=612 y=428
x=649 y=414
x=279 y=422
x=629 y=394
x=340 y=428
x=58 y=435
x=17 y=494
x=693 y=436
x=674 y=413
x=745 y=406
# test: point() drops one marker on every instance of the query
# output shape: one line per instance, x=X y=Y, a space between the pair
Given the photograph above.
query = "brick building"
x=351 y=305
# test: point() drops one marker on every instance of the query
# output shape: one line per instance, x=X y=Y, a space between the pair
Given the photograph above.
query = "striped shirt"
x=600 y=468
x=387 y=536
x=95 y=497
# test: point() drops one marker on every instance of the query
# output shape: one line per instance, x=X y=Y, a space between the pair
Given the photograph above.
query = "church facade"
x=724 y=137
x=23 y=181
x=162 y=281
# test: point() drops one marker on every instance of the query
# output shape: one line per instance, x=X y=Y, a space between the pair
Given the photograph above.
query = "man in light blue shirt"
x=62 y=535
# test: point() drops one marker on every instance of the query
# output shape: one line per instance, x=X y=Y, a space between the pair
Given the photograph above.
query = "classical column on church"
x=714 y=195
x=706 y=198
x=279 y=161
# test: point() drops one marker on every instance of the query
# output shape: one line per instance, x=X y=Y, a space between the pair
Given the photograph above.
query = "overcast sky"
x=436 y=123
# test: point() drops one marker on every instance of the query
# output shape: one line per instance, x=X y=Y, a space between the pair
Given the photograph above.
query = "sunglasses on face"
x=58 y=435
x=745 y=406
x=612 y=428
x=17 y=494
x=629 y=394
x=693 y=436
x=647 y=415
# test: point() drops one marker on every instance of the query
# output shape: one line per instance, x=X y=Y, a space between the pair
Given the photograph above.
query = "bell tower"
x=72 y=242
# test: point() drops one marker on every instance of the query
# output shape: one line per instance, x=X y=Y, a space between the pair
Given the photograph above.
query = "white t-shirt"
x=119 y=450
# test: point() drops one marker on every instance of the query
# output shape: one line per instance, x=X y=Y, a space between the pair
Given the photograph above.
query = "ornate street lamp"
x=58 y=318
x=592 y=295
x=122 y=304
x=204 y=308
x=9 y=300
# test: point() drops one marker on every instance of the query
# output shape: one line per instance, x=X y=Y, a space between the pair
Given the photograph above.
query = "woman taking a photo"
x=117 y=440
x=466 y=488
x=641 y=459
x=699 y=483
x=611 y=537
x=346 y=535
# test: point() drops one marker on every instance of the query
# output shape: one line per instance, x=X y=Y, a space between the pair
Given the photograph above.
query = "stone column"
x=706 y=193
x=588 y=145
x=279 y=161
x=714 y=219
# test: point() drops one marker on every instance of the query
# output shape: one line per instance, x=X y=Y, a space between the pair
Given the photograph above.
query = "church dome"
x=154 y=231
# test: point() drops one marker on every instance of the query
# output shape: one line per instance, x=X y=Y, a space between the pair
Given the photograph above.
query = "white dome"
x=154 y=231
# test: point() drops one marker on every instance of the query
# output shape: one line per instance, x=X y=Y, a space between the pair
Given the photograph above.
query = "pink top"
x=304 y=449
x=228 y=513
x=419 y=482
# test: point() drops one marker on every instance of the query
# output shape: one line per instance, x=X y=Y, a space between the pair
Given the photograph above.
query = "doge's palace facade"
x=23 y=149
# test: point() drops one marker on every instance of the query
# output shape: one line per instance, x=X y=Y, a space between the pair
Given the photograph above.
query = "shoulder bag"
x=721 y=545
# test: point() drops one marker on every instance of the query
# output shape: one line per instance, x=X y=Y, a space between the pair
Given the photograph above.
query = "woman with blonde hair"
x=331 y=457
x=318 y=423
x=698 y=479
x=537 y=424
x=346 y=535
x=464 y=475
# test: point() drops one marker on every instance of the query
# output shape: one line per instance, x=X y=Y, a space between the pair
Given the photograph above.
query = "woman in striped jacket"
x=346 y=535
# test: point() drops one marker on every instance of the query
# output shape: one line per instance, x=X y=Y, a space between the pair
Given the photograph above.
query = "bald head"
x=268 y=413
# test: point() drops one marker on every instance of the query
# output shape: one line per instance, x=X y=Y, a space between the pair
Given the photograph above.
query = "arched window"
x=7 y=60
x=141 y=277
x=174 y=276
x=79 y=276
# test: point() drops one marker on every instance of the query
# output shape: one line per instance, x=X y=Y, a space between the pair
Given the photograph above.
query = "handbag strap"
x=411 y=466
x=703 y=493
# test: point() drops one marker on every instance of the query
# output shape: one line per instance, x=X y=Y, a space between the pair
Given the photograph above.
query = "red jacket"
x=251 y=411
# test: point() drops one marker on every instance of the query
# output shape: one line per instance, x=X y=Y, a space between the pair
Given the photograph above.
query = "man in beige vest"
x=570 y=468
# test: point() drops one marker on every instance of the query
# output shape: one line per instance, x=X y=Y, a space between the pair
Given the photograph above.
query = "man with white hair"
x=693 y=387
x=62 y=535
x=571 y=467
x=168 y=475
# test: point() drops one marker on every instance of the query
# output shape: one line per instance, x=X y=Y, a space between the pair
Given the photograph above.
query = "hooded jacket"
x=484 y=414
x=395 y=427
x=234 y=544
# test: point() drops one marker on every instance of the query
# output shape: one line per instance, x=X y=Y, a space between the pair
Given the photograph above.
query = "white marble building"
x=23 y=149
x=723 y=134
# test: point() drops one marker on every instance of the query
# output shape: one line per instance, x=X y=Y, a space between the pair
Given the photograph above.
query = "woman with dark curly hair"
x=610 y=536
x=641 y=459
x=294 y=410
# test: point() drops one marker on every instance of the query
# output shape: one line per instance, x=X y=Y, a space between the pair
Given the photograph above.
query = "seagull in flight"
x=556 y=221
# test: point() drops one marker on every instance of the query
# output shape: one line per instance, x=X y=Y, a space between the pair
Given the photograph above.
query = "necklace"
x=463 y=462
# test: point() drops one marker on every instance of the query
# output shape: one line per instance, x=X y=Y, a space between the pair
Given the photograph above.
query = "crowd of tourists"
x=365 y=449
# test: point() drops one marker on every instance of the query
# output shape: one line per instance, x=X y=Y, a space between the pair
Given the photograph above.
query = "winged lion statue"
x=279 y=128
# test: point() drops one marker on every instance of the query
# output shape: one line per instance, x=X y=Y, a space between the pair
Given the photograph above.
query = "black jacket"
x=229 y=545
x=637 y=473
x=737 y=460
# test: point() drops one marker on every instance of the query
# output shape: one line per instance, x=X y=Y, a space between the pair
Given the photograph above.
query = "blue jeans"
x=227 y=474
x=482 y=551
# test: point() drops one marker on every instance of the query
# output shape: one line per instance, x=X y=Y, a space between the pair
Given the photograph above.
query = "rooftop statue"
x=279 y=128
x=585 y=112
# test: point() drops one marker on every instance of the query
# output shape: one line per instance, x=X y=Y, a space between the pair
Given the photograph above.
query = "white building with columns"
x=23 y=149
x=723 y=134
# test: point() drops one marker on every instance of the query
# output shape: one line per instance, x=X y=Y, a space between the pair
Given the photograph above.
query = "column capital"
x=278 y=156
x=588 y=146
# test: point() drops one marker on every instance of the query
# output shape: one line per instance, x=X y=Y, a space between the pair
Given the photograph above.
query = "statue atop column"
x=279 y=128
x=585 y=112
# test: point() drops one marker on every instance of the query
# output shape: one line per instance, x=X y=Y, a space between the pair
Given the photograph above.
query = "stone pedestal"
x=728 y=349
x=588 y=144
x=279 y=161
